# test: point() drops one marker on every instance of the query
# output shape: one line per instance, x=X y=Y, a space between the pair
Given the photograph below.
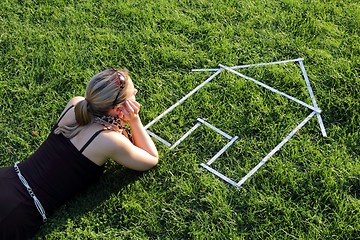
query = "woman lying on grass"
x=89 y=131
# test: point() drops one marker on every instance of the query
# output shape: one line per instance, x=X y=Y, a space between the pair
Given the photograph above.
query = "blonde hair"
x=102 y=94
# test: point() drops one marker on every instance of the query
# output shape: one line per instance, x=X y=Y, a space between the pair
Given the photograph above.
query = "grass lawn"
x=308 y=190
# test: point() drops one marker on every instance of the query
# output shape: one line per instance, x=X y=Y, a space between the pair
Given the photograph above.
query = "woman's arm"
x=129 y=155
x=142 y=155
x=141 y=138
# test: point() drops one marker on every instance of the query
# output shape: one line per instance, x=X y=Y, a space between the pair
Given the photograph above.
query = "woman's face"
x=131 y=90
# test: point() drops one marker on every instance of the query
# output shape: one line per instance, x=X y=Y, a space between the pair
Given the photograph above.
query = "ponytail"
x=83 y=112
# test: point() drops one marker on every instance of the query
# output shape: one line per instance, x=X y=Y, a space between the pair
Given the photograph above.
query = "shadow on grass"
x=115 y=180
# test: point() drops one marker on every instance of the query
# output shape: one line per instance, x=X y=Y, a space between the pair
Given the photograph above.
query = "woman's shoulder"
x=73 y=101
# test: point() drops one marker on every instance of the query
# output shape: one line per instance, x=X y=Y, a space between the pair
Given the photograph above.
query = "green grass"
x=308 y=190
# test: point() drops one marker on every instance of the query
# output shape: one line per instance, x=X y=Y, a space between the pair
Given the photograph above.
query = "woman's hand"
x=129 y=110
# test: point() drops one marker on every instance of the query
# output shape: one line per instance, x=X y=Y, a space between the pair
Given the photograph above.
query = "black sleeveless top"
x=58 y=170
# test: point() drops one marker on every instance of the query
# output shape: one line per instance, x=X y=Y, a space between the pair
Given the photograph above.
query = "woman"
x=89 y=131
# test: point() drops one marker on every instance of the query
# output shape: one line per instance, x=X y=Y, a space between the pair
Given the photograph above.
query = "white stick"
x=185 y=135
x=247 y=66
x=215 y=128
x=222 y=150
x=159 y=138
x=312 y=96
x=264 y=160
x=183 y=99
x=264 y=64
x=218 y=174
x=272 y=89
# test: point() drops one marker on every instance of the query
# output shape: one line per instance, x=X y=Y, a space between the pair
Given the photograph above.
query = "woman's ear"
x=119 y=111
x=115 y=111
